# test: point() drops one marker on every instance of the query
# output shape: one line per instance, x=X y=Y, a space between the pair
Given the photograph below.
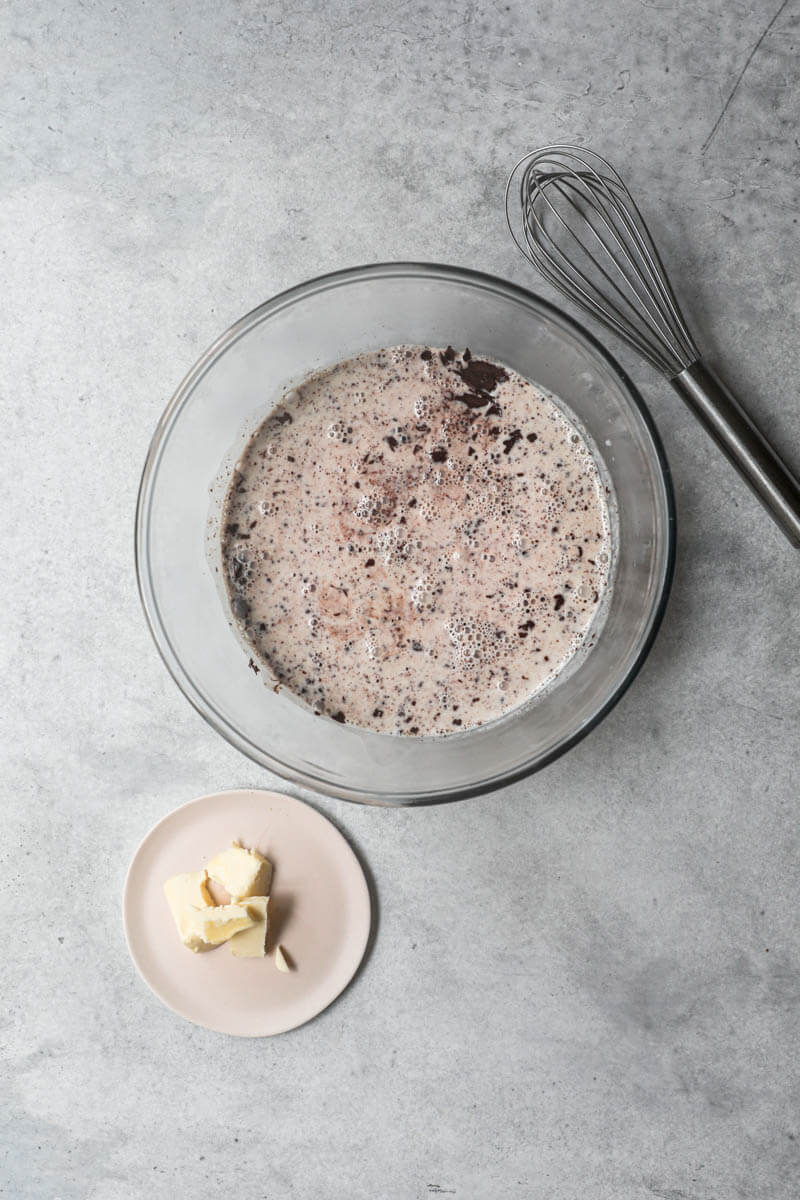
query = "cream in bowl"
x=416 y=540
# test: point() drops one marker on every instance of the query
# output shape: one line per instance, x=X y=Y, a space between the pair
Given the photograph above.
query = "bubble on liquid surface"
x=337 y=431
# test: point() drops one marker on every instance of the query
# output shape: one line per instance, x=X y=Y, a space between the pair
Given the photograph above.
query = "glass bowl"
x=224 y=398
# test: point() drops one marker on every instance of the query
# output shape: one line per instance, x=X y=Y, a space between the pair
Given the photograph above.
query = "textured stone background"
x=584 y=986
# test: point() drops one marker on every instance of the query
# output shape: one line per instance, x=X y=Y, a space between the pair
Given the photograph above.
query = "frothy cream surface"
x=416 y=541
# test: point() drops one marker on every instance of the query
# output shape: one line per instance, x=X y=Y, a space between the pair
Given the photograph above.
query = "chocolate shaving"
x=512 y=439
x=481 y=376
x=471 y=399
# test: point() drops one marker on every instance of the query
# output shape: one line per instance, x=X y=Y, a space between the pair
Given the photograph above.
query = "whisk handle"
x=743 y=444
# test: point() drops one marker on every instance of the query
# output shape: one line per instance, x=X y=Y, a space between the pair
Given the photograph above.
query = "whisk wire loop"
x=570 y=271
x=582 y=229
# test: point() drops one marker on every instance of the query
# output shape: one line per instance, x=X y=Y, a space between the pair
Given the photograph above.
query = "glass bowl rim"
x=290 y=296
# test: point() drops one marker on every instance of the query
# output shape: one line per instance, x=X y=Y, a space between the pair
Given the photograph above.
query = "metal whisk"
x=579 y=225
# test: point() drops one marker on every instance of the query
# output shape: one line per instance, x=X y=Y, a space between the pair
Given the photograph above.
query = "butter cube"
x=185 y=895
x=251 y=943
x=241 y=872
x=281 y=960
x=211 y=926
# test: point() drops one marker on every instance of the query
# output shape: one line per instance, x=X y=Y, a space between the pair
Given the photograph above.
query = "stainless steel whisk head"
x=574 y=219
x=582 y=229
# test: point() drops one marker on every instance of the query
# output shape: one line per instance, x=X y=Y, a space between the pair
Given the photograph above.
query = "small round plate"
x=319 y=911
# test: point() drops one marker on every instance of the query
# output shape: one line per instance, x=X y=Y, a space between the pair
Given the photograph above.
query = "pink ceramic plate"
x=319 y=911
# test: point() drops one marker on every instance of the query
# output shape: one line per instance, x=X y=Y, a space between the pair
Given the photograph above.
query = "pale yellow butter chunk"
x=211 y=926
x=281 y=960
x=251 y=943
x=185 y=895
x=243 y=873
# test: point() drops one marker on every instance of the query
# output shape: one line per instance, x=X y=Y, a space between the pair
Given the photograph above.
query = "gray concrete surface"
x=583 y=988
